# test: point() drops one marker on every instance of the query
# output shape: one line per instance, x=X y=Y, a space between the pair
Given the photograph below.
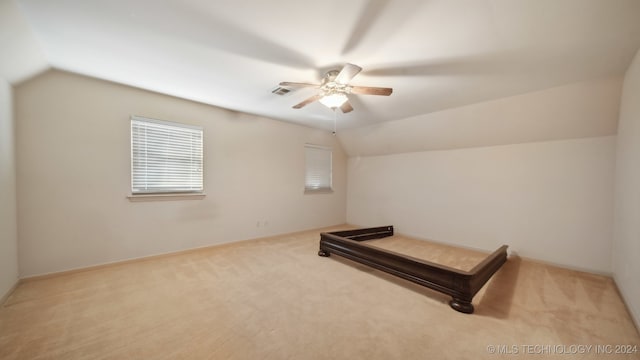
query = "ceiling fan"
x=335 y=88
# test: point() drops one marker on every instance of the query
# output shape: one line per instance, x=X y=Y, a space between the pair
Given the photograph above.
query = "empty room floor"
x=275 y=298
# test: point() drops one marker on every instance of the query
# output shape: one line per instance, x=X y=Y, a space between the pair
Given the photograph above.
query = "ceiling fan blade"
x=346 y=107
x=347 y=73
x=308 y=101
x=367 y=90
x=297 y=84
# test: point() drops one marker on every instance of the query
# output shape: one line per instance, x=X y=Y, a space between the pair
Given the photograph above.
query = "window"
x=166 y=157
x=318 y=168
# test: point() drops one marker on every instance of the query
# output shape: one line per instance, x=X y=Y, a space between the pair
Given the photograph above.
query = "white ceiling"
x=435 y=54
x=21 y=54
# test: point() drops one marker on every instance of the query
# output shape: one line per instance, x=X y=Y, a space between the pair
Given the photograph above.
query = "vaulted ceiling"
x=435 y=54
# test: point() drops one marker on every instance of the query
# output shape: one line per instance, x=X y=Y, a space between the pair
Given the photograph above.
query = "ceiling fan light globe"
x=333 y=101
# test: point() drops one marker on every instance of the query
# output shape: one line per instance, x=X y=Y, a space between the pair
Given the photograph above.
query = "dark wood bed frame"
x=460 y=285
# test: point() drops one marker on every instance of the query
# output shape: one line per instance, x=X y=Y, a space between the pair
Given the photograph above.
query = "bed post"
x=461 y=305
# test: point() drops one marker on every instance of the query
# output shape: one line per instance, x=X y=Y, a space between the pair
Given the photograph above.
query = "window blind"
x=166 y=157
x=318 y=168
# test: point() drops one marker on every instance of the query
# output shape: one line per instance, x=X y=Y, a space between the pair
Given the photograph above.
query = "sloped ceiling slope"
x=435 y=54
x=21 y=55
x=578 y=110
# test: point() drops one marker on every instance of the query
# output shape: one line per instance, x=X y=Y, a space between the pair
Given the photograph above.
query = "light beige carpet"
x=276 y=299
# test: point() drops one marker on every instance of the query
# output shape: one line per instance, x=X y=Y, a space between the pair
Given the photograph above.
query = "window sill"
x=318 y=191
x=166 y=197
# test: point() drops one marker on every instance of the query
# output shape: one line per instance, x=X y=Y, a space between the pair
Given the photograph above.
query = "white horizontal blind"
x=166 y=157
x=318 y=168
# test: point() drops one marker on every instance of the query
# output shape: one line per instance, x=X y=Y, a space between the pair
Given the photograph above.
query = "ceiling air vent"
x=280 y=91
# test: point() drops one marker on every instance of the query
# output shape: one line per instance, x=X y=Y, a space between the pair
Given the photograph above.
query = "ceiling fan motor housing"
x=330 y=86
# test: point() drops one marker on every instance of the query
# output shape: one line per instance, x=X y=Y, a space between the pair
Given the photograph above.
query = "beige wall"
x=551 y=201
x=74 y=176
x=21 y=58
x=8 y=228
x=534 y=171
x=626 y=245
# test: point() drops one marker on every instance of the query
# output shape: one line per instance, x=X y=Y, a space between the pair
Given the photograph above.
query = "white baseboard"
x=4 y=297
x=634 y=316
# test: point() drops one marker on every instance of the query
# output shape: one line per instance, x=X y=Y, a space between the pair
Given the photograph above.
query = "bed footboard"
x=460 y=285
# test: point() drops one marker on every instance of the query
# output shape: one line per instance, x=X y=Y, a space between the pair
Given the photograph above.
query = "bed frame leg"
x=323 y=253
x=461 y=305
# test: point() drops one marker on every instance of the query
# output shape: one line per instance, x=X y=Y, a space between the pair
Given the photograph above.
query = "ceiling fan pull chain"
x=334 y=121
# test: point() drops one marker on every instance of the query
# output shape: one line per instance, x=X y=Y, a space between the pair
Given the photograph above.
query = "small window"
x=318 y=168
x=166 y=157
